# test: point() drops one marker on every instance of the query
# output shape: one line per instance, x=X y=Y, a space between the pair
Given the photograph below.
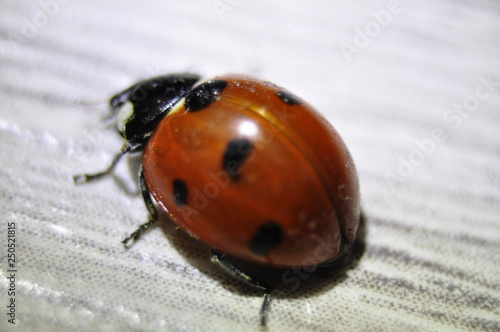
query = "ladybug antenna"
x=86 y=103
x=108 y=118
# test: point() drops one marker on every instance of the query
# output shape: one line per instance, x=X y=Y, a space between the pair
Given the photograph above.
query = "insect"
x=243 y=165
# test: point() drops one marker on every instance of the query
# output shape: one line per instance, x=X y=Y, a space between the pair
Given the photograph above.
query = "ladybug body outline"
x=243 y=165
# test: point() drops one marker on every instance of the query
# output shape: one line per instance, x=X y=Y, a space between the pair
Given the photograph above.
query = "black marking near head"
x=237 y=151
x=267 y=237
x=203 y=95
x=180 y=192
x=151 y=99
x=288 y=98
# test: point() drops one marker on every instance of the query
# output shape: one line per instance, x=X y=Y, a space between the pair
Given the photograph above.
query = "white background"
x=403 y=83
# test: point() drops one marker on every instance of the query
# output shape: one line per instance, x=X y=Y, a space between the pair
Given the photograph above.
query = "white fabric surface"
x=429 y=174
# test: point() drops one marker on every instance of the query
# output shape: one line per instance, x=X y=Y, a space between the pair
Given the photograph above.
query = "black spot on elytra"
x=266 y=238
x=288 y=98
x=203 y=95
x=237 y=151
x=180 y=192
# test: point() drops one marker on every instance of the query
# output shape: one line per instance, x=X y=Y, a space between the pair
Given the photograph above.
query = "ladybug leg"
x=219 y=260
x=81 y=178
x=153 y=214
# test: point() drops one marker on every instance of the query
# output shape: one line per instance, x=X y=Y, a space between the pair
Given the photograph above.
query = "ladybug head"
x=142 y=106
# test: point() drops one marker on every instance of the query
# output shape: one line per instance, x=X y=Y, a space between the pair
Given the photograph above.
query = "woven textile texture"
x=413 y=87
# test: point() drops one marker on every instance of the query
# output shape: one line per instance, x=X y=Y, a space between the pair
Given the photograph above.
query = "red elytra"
x=257 y=174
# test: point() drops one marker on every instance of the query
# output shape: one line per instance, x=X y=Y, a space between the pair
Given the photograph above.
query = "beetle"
x=243 y=165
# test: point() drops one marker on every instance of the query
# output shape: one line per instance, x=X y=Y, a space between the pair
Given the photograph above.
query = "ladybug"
x=243 y=165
